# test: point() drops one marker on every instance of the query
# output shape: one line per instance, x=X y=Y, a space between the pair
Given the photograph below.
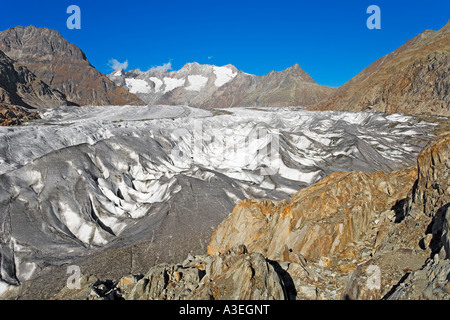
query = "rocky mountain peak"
x=190 y=66
x=195 y=67
x=20 y=87
x=297 y=72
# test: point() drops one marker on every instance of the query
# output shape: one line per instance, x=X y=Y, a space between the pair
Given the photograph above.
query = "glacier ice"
x=85 y=180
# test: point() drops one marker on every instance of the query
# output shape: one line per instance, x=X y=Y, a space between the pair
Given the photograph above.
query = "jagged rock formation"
x=414 y=79
x=19 y=86
x=236 y=275
x=210 y=86
x=63 y=66
x=414 y=256
x=344 y=216
x=21 y=91
x=334 y=218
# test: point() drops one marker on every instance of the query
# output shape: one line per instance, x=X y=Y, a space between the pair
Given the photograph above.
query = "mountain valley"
x=211 y=183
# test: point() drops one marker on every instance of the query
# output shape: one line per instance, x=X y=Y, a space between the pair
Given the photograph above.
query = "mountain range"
x=42 y=69
x=209 y=86
x=413 y=79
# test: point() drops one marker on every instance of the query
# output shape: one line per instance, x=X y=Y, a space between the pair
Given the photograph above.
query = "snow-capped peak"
x=192 y=77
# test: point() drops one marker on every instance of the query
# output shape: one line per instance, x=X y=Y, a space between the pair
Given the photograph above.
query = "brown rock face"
x=401 y=219
x=63 y=66
x=425 y=207
x=19 y=86
x=414 y=79
x=432 y=190
x=326 y=219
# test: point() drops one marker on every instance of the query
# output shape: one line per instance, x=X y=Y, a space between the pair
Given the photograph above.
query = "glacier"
x=86 y=182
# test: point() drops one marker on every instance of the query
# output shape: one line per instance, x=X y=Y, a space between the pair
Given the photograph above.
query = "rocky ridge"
x=413 y=79
x=350 y=236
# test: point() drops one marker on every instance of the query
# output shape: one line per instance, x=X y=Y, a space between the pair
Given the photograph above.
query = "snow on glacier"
x=307 y=138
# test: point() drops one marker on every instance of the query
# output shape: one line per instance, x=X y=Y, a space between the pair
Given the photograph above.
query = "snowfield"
x=85 y=179
x=173 y=83
x=137 y=85
x=223 y=75
x=197 y=82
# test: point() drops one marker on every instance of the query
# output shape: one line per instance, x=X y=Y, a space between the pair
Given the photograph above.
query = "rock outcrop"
x=414 y=79
x=11 y=115
x=390 y=231
x=209 y=86
x=21 y=91
x=334 y=218
x=63 y=66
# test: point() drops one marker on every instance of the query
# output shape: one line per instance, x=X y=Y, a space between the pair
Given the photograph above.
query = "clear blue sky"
x=329 y=39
